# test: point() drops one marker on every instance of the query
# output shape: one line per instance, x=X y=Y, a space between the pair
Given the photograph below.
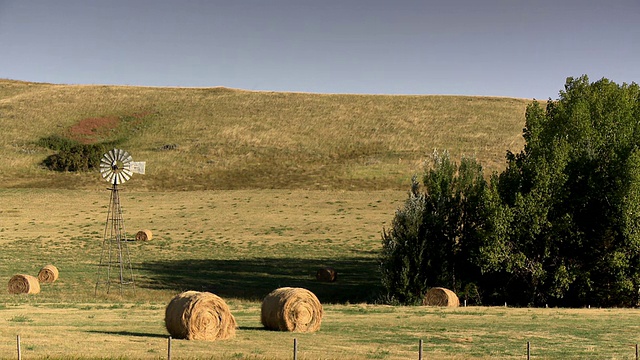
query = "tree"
x=431 y=239
x=560 y=225
x=573 y=191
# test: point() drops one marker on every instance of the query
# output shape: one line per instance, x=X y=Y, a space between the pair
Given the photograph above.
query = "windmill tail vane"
x=137 y=167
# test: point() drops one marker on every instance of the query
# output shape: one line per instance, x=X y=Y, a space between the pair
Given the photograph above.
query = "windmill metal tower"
x=116 y=166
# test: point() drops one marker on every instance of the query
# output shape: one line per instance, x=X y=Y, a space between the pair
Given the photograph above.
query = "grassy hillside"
x=219 y=138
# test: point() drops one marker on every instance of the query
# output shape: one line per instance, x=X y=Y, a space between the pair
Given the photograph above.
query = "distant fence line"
x=295 y=349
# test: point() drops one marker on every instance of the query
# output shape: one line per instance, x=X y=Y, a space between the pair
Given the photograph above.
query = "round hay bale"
x=144 y=235
x=438 y=296
x=195 y=315
x=291 y=309
x=24 y=284
x=48 y=274
x=327 y=274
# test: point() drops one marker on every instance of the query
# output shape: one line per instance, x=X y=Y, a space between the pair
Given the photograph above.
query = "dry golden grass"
x=241 y=245
x=234 y=230
x=282 y=184
x=231 y=139
x=136 y=331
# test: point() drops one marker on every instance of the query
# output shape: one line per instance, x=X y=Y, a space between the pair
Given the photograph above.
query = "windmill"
x=116 y=167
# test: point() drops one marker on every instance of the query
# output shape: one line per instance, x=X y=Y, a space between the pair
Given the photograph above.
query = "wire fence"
x=420 y=353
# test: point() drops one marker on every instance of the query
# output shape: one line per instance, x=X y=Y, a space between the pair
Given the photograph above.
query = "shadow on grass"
x=254 y=328
x=252 y=279
x=129 y=333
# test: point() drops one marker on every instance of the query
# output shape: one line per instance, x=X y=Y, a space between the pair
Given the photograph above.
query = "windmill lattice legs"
x=115 y=252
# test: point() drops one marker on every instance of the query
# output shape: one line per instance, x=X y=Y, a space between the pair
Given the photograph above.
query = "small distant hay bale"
x=439 y=296
x=195 y=315
x=144 y=235
x=327 y=274
x=291 y=309
x=48 y=274
x=24 y=284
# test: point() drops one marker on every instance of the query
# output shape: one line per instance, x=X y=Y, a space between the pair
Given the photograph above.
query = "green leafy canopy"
x=560 y=225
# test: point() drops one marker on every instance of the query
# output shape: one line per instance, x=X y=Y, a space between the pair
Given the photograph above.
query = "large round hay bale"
x=144 y=235
x=24 y=284
x=439 y=296
x=291 y=309
x=327 y=274
x=48 y=274
x=195 y=315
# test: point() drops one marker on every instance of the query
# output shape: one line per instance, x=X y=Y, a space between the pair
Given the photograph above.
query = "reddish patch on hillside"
x=92 y=130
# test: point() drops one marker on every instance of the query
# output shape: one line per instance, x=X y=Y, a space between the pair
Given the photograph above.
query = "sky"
x=512 y=48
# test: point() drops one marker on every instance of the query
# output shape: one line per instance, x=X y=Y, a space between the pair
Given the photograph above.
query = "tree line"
x=559 y=226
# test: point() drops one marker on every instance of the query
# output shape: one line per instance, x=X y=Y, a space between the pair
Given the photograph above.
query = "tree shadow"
x=252 y=279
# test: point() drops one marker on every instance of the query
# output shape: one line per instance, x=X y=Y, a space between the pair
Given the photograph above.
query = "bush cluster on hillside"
x=559 y=226
x=72 y=155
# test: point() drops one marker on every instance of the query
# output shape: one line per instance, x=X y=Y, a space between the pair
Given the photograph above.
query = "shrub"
x=79 y=157
x=57 y=143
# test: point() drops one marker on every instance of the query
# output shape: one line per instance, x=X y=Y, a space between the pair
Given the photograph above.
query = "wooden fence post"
x=528 y=350
x=169 y=348
x=295 y=349
x=19 y=350
x=420 y=350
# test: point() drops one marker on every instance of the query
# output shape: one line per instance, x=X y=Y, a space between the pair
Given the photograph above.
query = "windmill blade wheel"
x=115 y=166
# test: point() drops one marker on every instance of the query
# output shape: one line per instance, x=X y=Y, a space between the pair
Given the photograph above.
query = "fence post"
x=295 y=349
x=420 y=350
x=528 y=350
x=636 y=351
x=19 y=350
x=169 y=348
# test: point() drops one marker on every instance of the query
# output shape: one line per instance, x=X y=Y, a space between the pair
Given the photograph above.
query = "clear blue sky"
x=467 y=47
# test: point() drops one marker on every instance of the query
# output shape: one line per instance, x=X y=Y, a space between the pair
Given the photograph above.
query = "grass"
x=241 y=244
x=21 y=318
x=218 y=138
x=224 y=242
x=280 y=185
x=136 y=331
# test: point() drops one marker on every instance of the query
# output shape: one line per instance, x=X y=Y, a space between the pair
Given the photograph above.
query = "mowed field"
x=241 y=244
x=246 y=192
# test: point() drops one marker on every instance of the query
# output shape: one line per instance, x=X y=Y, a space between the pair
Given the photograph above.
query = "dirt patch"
x=92 y=130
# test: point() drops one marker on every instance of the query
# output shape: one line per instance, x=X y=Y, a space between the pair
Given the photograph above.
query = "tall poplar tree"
x=573 y=191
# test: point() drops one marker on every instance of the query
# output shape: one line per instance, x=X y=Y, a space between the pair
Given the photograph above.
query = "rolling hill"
x=222 y=138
